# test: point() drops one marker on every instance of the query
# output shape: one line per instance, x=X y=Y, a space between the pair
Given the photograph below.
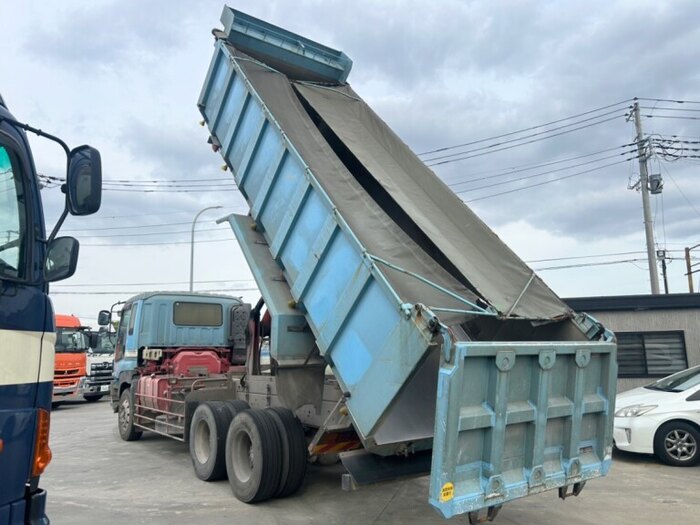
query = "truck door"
x=26 y=351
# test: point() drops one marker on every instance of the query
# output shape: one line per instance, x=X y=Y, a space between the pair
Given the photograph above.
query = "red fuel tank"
x=151 y=387
x=198 y=363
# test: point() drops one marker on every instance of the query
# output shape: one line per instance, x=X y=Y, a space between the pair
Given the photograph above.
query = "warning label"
x=447 y=492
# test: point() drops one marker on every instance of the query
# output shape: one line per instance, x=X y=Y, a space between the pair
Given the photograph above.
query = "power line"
x=656 y=108
x=538 y=134
x=678 y=117
x=676 y=101
x=480 y=141
x=61 y=286
x=584 y=265
x=144 y=234
x=521 y=144
x=131 y=292
x=549 y=172
x=114 y=245
x=548 y=181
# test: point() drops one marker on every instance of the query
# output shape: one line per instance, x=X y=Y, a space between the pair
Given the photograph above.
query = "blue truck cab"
x=29 y=261
x=169 y=320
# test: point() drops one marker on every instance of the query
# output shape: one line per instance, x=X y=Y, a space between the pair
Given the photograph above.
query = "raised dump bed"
x=438 y=335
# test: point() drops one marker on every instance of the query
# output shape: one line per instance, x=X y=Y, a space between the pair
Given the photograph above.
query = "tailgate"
x=515 y=419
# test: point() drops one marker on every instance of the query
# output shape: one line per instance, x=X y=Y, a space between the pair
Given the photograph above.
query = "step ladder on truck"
x=447 y=354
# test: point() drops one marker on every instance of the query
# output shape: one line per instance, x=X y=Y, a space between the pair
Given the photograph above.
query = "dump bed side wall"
x=373 y=347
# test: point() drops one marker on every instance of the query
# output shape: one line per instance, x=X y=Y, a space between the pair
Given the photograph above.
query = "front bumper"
x=635 y=434
x=35 y=504
x=87 y=385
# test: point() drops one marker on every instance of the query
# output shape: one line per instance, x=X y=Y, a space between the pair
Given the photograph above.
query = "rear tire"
x=253 y=456
x=208 y=430
x=235 y=406
x=125 y=420
x=294 y=452
x=677 y=443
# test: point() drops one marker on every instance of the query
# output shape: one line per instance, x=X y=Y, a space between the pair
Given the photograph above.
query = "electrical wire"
x=523 y=130
x=585 y=265
x=549 y=172
x=99 y=285
x=450 y=157
x=547 y=181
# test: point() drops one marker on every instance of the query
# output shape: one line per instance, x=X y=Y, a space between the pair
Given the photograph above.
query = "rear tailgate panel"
x=514 y=419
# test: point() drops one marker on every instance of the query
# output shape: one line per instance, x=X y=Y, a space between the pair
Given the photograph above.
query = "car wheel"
x=677 y=443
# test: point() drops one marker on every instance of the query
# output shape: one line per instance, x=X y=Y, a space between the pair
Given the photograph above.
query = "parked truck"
x=402 y=331
x=83 y=368
x=29 y=261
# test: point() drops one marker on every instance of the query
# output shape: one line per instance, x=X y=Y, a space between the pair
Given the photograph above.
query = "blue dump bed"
x=439 y=336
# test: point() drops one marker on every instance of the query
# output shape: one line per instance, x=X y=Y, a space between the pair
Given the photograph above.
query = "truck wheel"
x=253 y=456
x=92 y=398
x=294 y=453
x=235 y=406
x=127 y=430
x=677 y=443
x=208 y=429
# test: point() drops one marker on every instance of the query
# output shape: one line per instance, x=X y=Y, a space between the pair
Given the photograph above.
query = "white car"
x=662 y=418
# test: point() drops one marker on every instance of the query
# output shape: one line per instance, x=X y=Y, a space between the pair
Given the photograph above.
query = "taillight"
x=42 y=452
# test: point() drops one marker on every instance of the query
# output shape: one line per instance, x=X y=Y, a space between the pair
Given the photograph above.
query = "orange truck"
x=72 y=343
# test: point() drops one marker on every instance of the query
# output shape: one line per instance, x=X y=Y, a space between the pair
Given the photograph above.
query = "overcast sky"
x=124 y=76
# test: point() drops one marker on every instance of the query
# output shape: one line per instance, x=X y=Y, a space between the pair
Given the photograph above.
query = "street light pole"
x=194 y=222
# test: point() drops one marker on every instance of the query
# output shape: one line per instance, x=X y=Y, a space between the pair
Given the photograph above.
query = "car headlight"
x=634 y=410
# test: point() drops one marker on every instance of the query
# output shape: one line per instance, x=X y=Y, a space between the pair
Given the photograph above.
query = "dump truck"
x=30 y=260
x=402 y=332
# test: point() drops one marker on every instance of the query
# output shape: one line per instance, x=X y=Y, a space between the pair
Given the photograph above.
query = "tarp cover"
x=473 y=249
x=377 y=232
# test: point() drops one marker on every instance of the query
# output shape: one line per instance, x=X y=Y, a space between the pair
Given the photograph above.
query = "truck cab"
x=155 y=320
x=98 y=368
x=72 y=344
x=29 y=261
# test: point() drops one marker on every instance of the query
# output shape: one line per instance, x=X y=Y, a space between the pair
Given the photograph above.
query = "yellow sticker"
x=447 y=492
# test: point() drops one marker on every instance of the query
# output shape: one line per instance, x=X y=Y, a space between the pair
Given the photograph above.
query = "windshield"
x=11 y=219
x=105 y=343
x=678 y=382
x=69 y=340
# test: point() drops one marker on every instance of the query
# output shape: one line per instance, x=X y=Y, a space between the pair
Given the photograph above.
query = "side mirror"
x=61 y=259
x=94 y=339
x=84 y=181
x=103 y=318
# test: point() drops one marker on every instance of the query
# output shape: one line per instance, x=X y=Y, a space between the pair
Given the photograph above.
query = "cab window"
x=121 y=332
x=13 y=243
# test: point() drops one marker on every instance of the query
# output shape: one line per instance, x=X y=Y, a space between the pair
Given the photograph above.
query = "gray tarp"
x=378 y=233
x=475 y=251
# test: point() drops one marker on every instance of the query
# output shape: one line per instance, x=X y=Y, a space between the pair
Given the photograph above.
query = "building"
x=657 y=335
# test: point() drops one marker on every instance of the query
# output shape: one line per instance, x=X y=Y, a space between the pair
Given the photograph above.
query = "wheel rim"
x=680 y=445
x=243 y=457
x=125 y=414
x=202 y=443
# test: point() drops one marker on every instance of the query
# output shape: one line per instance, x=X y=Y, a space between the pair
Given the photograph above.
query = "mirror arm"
x=37 y=131
x=59 y=223
x=54 y=138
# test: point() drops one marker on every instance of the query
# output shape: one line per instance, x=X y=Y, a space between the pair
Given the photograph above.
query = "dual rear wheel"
x=263 y=452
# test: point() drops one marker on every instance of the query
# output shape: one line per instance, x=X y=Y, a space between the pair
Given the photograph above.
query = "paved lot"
x=95 y=477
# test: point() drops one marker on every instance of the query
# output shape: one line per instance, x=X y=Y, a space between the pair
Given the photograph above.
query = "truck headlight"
x=634 y=410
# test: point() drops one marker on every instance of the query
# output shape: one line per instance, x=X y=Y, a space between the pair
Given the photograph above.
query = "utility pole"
x=661 y=254
x=689 y=267
x=644 y=184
